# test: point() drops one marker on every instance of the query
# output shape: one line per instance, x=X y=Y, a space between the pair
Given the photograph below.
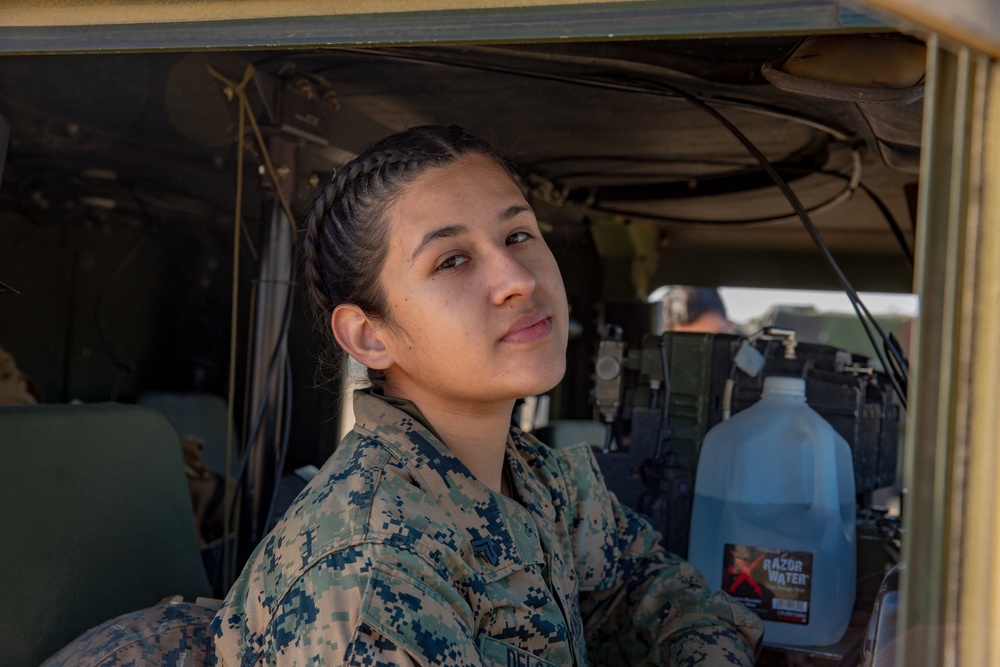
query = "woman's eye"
x=518 y=237
x=452 y=262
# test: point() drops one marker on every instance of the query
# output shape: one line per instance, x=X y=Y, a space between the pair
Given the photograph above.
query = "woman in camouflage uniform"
x=437 y=534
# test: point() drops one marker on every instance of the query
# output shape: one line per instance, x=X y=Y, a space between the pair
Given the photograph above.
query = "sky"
x=744 y=304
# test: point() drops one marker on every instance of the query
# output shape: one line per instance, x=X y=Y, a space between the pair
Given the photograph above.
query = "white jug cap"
x=779 y=384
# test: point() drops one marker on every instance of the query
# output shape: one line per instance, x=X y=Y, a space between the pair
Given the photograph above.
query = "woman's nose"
x=510 y=277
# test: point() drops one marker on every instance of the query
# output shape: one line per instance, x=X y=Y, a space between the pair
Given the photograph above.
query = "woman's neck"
x=476 y=434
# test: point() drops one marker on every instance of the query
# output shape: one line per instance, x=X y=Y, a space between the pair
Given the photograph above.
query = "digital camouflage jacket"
x=396 y=555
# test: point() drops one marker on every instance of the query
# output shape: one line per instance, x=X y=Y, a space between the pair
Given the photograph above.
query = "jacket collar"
x=502 y=534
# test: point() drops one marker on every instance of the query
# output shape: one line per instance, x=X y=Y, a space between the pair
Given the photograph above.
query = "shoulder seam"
x=362 y=535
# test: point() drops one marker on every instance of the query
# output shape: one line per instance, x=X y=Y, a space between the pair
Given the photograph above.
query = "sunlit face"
x=710 y=322
x=475 y=295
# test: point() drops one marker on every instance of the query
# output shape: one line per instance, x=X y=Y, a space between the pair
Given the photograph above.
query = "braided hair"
x=346 y=230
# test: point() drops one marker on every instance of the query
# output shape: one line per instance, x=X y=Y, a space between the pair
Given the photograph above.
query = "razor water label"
x=773 y=583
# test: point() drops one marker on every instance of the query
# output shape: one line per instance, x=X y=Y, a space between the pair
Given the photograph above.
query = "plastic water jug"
x=773 y=522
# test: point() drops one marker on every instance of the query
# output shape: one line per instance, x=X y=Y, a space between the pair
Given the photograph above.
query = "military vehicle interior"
x=120 y=258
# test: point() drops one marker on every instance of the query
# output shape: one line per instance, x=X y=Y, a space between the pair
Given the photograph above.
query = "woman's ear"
x=360 y=337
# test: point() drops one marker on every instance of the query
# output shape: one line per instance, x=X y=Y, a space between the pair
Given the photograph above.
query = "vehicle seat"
x=197 y=414
x=96 y=521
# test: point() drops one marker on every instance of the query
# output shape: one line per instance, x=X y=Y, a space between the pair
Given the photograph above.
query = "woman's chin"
x=544 y=378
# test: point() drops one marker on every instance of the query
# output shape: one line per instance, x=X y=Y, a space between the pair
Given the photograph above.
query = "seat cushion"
x=97 y=522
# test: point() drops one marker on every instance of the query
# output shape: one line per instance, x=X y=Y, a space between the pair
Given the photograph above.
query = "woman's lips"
x=528 y=330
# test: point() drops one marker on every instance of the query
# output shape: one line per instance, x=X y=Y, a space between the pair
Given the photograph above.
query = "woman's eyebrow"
x=451 y=231
x=448 y=231
x=514 y=211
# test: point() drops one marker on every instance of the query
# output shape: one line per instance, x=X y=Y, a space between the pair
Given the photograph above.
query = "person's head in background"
x=15 y=387
x=695 y=309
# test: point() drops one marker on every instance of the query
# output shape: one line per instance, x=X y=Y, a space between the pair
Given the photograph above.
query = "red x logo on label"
x=745 y=571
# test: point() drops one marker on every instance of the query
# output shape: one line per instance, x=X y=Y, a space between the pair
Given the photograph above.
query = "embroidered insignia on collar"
x=484 y=548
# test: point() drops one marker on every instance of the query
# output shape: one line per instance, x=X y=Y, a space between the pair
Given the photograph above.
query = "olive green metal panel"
x=926 y=476
x=135 y=25
x=978 y=605
x=949 y=606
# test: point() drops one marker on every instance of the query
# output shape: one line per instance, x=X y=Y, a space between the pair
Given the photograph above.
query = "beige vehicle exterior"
x=950 y=591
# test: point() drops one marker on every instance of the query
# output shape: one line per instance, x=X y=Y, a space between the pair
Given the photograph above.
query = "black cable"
x=122 y=367
x=283 y=447
x=890 y=219
x=754 y=107
x=261 y=409
x=734 y=169
x=824 y=205
x=663 y=424
x=658 y=161
x=813 y=232
x=251 y=438
x=893 y=225
x=708 y=222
